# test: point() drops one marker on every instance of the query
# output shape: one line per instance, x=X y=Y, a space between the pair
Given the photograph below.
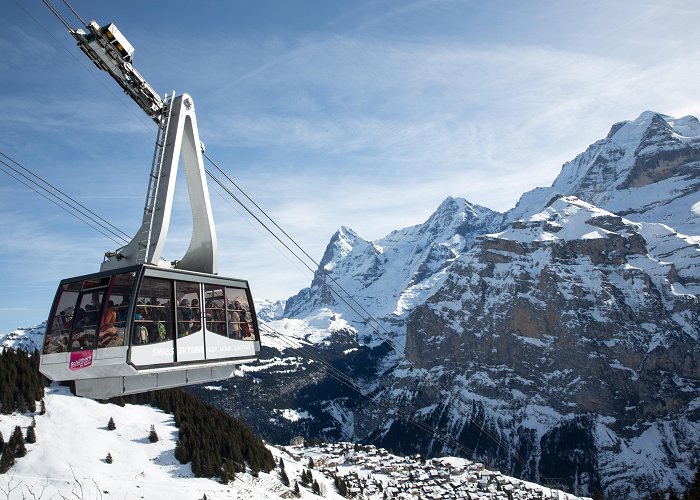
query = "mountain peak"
x=646 y=166
x=345 y=233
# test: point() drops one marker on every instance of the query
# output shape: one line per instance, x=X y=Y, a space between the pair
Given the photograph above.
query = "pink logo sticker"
x=80 y=359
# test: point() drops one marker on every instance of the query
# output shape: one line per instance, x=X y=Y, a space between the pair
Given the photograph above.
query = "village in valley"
x=374 y=473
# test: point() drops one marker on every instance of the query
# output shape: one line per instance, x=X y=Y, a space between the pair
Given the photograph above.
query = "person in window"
x=185 y=316
x=83 y=320
x=234 y=325
x=84 y=332
x=122 y=310
x=196 y=314
x=245 y=328
x=108 y=331
x=242 y=320
x=95 y=304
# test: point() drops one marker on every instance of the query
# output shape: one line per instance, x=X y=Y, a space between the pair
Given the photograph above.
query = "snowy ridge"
x=388 y=277
x=27 y=339
x=647 y=169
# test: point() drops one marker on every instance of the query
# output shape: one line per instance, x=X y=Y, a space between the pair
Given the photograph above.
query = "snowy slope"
x=68 y=460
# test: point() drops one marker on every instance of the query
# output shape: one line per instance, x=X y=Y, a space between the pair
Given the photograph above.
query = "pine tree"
x=296 y=488
x=311 y=463
x=31 y=435
x=7 y=460
x=152 y=436
x=228 y=472
x=341 y=485
x=21 y=403
x=284 y=478
x=2 y=443
x=181 y=452
x=42 y=407
x=283 y=474
x=18 y=442
x=316 y=488
x=111 y=425
x=108 y=458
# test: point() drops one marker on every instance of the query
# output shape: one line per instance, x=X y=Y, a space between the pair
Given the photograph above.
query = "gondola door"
x=190 y=332
x=152 y=331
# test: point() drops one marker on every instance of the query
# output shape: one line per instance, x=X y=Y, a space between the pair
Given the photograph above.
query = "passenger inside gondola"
x=185 y=315
x=108 y=329
x=215 y=309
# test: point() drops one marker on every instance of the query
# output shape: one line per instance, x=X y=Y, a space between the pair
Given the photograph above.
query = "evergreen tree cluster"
x=22 y=384
x=216 y=443
x=306 y=477
x=341 y=485
x=12 y=450
x=283 y=474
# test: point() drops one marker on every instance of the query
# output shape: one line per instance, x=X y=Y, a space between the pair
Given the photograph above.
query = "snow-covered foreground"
x=68 y=460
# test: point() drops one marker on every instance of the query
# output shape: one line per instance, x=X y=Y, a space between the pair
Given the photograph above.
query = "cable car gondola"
x=144 y=323
x=144 y=327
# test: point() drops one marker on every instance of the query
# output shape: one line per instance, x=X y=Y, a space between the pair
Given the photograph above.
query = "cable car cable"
x=74 y=12
x=392 y=343
x=396 y=347
x=317 y=264
x=257 y=229
x=55 y=203
x=92 y=215
x=349 y=382
x=58 y=15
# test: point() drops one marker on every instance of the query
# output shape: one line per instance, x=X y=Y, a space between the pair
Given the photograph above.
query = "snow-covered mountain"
x=558 y=340
x=27 y=339
x=388 y=277
x=645 y=169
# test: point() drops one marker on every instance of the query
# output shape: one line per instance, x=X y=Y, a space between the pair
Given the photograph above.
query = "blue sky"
x=329 y=113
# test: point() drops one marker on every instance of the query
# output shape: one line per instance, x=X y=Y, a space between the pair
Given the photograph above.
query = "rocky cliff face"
x=584 y=322
x=558 y=341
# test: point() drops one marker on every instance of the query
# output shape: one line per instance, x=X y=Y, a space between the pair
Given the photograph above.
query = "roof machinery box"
x=118 y=40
